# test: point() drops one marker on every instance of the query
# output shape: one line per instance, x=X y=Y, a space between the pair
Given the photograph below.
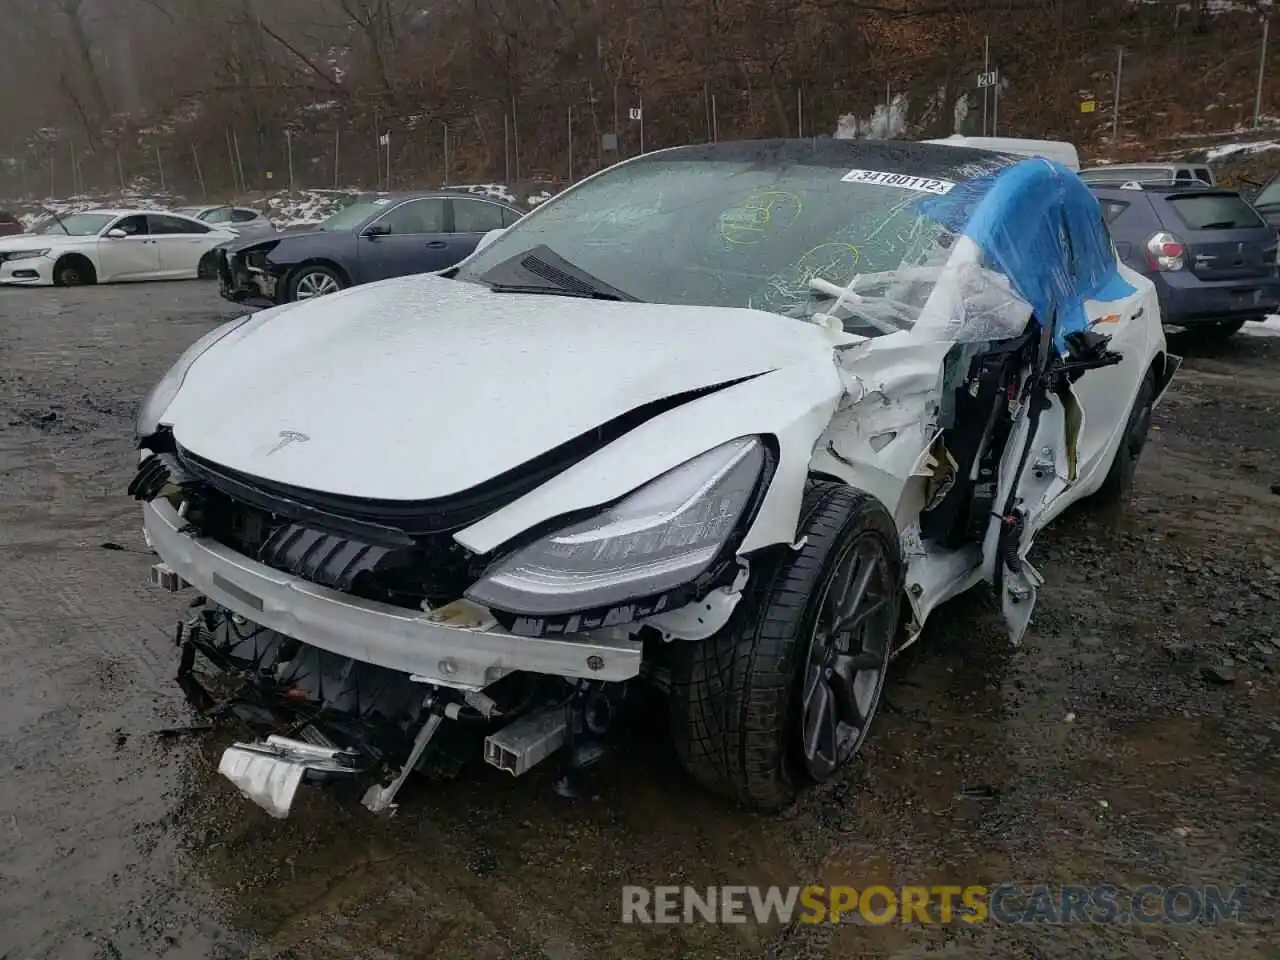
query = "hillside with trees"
x=232 y=94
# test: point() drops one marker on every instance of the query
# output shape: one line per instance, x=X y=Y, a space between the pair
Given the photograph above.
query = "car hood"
x=421 y=387
x=260 y=235
x=27 y=241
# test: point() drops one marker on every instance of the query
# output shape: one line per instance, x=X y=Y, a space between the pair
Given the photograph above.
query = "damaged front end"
x=340 y=630
x=245 y=275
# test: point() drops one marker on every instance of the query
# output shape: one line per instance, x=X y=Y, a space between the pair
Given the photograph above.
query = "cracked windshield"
x=785 y=237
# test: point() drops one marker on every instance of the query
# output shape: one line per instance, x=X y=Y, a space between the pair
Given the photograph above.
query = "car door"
x=1071 y=402
x=411 y=237
x=182 y=241
x=1105 y=393
x=472 y=219
x=135 y=256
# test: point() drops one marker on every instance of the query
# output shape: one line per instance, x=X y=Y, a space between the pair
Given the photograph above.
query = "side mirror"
x=117 y=234
x=377 y=230
x=489 y=237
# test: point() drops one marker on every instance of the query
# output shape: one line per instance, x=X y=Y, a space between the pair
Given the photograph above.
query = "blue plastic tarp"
x=1039 y=225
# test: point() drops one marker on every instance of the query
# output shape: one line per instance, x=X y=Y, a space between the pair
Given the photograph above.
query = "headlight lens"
x=23 y=254
x=662 y=536
x=162 y=393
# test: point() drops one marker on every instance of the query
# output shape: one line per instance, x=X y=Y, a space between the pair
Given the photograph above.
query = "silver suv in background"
x=1176 y=173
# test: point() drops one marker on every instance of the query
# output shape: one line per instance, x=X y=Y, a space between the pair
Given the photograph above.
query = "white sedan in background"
x=109 y=246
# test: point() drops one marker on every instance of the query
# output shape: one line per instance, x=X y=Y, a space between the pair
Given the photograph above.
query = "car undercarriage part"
x=521 y=745
x=269 y=773
x=382 y=797
x=322 y=718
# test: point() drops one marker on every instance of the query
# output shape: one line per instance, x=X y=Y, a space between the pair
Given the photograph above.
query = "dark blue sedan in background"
x=389 y=236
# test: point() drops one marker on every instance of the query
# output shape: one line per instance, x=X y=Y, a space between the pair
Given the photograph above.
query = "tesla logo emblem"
x=288 y=437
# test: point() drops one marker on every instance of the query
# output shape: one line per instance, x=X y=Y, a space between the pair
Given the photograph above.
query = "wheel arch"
x=327 y=262
x=80 y=259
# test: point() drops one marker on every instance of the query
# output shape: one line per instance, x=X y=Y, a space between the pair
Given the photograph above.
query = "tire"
x=74 y=271
x=738 y=699
x=1119 y=479
x=314 y=280
x=208 y=268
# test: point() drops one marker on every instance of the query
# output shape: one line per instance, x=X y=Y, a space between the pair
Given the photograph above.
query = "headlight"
x=22 y=254
x=661 y=536
x=162 y=393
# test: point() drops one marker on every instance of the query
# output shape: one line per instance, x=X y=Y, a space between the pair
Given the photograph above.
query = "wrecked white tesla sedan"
x=734 y=418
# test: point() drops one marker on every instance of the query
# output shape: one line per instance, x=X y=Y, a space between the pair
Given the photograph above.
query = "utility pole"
x=1262 y=66
x=986 y=68
x=1115 y=105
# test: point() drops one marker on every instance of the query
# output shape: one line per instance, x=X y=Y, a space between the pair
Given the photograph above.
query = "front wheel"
x=73 y=271
x=784 y=695
x=309 y=282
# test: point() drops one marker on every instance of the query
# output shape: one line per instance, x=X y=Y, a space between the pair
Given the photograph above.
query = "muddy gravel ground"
x=1133 y=738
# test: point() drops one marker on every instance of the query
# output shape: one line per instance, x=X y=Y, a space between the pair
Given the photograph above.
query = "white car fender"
x=793 y=404
x=887 y=420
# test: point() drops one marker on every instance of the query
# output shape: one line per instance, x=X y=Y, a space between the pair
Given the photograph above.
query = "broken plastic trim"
x=269 y=773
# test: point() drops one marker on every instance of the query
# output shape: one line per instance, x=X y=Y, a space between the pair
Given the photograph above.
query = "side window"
x=218 y=215
x=1203 y=174
x=510 y=216
x=135 y=226
x=1183 y=175
x=167 y=226
x=415 y=217
x=476 y=216
x=1111 y=209
x=243 y=216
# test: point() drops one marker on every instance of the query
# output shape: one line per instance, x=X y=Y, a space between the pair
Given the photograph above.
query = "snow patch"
x=494 y=190
x=1270 y=327
x=886 y=122
x=1233 y=149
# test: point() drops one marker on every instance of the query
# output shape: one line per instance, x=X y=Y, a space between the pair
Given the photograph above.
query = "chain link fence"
x=555 y=140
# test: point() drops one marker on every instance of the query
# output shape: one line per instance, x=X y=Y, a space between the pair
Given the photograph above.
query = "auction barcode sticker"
x=883 y=178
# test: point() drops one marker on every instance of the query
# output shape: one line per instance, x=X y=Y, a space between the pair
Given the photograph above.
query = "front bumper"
x=460 y=657
x=239 y=284
x=35 y=272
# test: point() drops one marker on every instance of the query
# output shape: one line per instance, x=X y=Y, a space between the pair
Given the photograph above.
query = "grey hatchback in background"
x=1210 y=255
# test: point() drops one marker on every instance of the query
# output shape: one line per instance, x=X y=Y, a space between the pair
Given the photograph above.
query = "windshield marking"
x=785 y=240
x=759 y=214
x=884 y=178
